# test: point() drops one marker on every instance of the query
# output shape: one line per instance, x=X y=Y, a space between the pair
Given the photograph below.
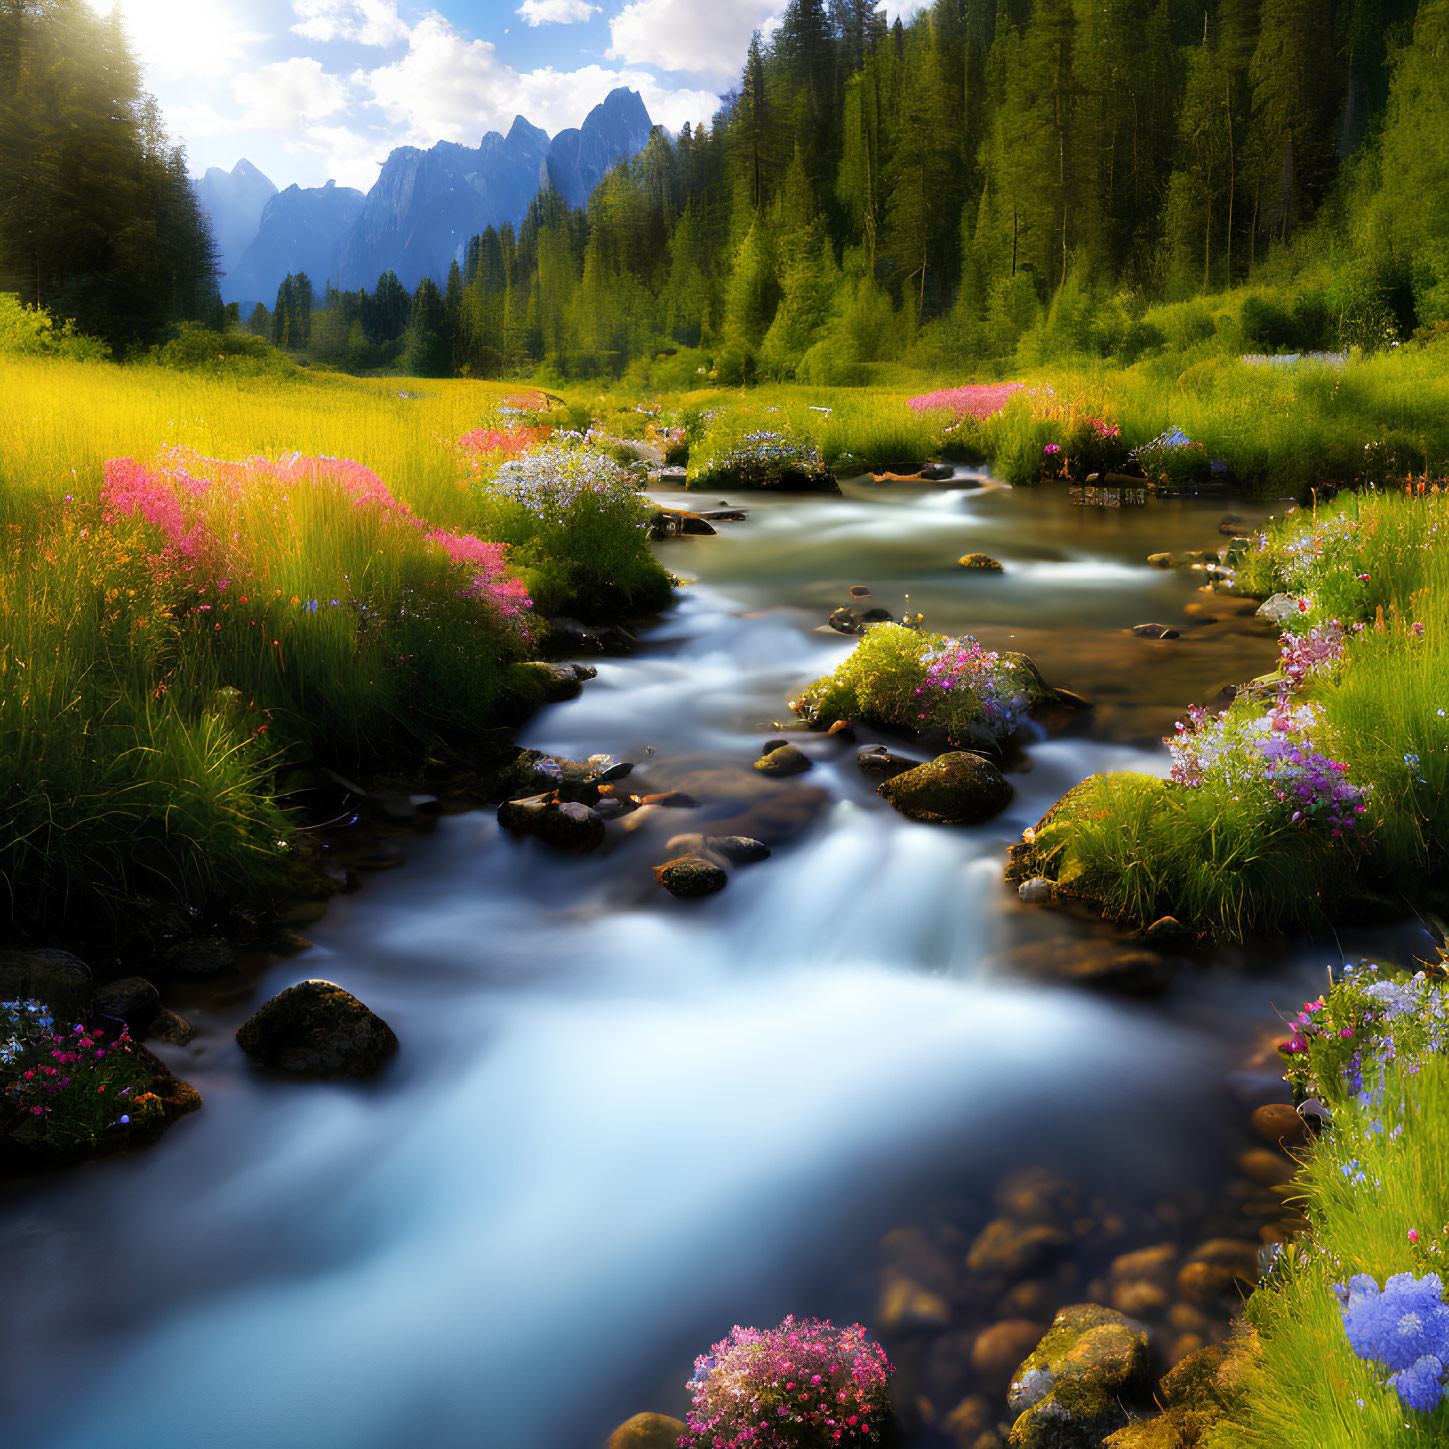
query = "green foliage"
x=31 y=332
x=239 y=354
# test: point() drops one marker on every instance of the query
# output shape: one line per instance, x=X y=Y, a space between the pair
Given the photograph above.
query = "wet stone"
x=315 y=1028
x=982 y=562
x=1154 y=631
x=905 y=1307
x=132 y=1000
x=691 y=876
x=1037 y=891
x=174 y=1030
x=200 y=959
x=878 y=760
x=953 y=789
x=785 y=760
x=1103 y=965
x=999 y=1349
x=1279 y=1122
x=1219 y=1269
x=1037 y=1195
x=1267 y=1169
x=1008 y=1249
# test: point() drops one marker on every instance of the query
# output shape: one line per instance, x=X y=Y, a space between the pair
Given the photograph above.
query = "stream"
x=620 y=1123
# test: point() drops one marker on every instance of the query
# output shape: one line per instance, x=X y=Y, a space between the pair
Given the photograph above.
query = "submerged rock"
x=691 y=876
x=1105 y=965
x=1069 y=1392
x=317 y=1029
x=1006 y=1248
x=1155 y=631
x=647 y=1431
x=878 y=760
x=953 y=789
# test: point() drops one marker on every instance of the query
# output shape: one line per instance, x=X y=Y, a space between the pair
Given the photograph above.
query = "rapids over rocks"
x=620 y=1123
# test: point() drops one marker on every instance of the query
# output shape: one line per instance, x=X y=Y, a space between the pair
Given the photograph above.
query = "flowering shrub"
x=550 y=482
x=75 y=1082
x=1272 y=757
x=803 y=1385
x=502 y=442
x=976 y=401
x=766 y=458
x=1405 y=1327
x=1316 y=652
x=975 y=681
x=903 y=678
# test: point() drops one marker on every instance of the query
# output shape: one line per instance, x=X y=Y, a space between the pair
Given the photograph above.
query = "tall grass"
x=160 y=661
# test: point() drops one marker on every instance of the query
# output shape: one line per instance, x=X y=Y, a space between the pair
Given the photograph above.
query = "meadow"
x=206 y=579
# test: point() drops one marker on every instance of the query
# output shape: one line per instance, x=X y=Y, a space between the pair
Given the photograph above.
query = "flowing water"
x=620 y=1123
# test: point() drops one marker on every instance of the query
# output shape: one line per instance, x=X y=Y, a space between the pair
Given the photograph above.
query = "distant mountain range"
x=419 y=215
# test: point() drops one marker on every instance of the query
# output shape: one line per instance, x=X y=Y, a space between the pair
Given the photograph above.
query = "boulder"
x=953 y=789
x=315 y=1028
x=786 y=760
x=60 y=980
x=982 y=562
x=691 y=876
x=132 y=1000
x=1069 y=1392
x=647 y=1431
x=202 y=958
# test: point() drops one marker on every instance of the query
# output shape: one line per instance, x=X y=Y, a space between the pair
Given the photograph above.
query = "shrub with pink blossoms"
x=491 y=582
x=1316 y=652
x=803 y=1385
x=965 y=682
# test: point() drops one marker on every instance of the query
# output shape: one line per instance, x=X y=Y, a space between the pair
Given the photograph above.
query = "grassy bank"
x=204 y=579
x=1338 y=1365
x=1319 y=794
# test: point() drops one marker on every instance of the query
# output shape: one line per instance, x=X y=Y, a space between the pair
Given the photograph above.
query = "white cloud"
x=365 y=22
x=556 y=12
x=288 y=94
x=185 y=39
x=450 y=88
x=701 y=37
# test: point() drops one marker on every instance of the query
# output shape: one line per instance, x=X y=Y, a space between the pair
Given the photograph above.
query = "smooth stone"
x=174 y=1030
x=999 y=1349
x=1169 y=931
x=1154 y=631
x=905 y=1307
x=1008 y=1249
x=1217 y=1269
x=1037 y=891
x=953 y=789
x=969 y=1421
x=785 y=760
x=981 y=561
x=1267 y=1169
x=691 y=876
x=739 y=849
x=1037 y=1195
x=132 y=1000
x=647 y=1431
x=845 y=621
x=558 y=682
x=56 y=978
x=318 y=1029
x=878 y=760
x=200 y=959
x=770 y=746
x=1279 y=1122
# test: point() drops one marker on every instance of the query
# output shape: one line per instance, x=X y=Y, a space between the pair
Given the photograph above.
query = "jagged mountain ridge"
x=235 y=201
x=417 y=218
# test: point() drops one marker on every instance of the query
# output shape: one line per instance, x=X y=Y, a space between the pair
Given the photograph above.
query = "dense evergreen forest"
x=98 y=221
x=996 y=177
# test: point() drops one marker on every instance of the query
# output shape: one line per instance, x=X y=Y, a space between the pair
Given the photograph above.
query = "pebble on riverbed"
x=691 y=876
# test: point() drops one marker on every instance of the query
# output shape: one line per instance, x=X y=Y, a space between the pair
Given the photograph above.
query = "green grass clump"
x=902 y=678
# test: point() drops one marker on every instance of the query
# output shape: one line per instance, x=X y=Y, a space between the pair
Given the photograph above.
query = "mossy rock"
x=647 y=1431
x=1070 y=1392
x=139 y=1088
x=952 y=789
x=981 y=562
x=786 y=760
x=691 y=876
x=315 y=1028
x=60 y=980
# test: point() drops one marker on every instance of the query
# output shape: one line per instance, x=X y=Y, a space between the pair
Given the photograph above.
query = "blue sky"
x=312 y=89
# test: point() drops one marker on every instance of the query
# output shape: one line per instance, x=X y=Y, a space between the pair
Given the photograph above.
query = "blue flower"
x=1400 y=1325
x=1420 y=1385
